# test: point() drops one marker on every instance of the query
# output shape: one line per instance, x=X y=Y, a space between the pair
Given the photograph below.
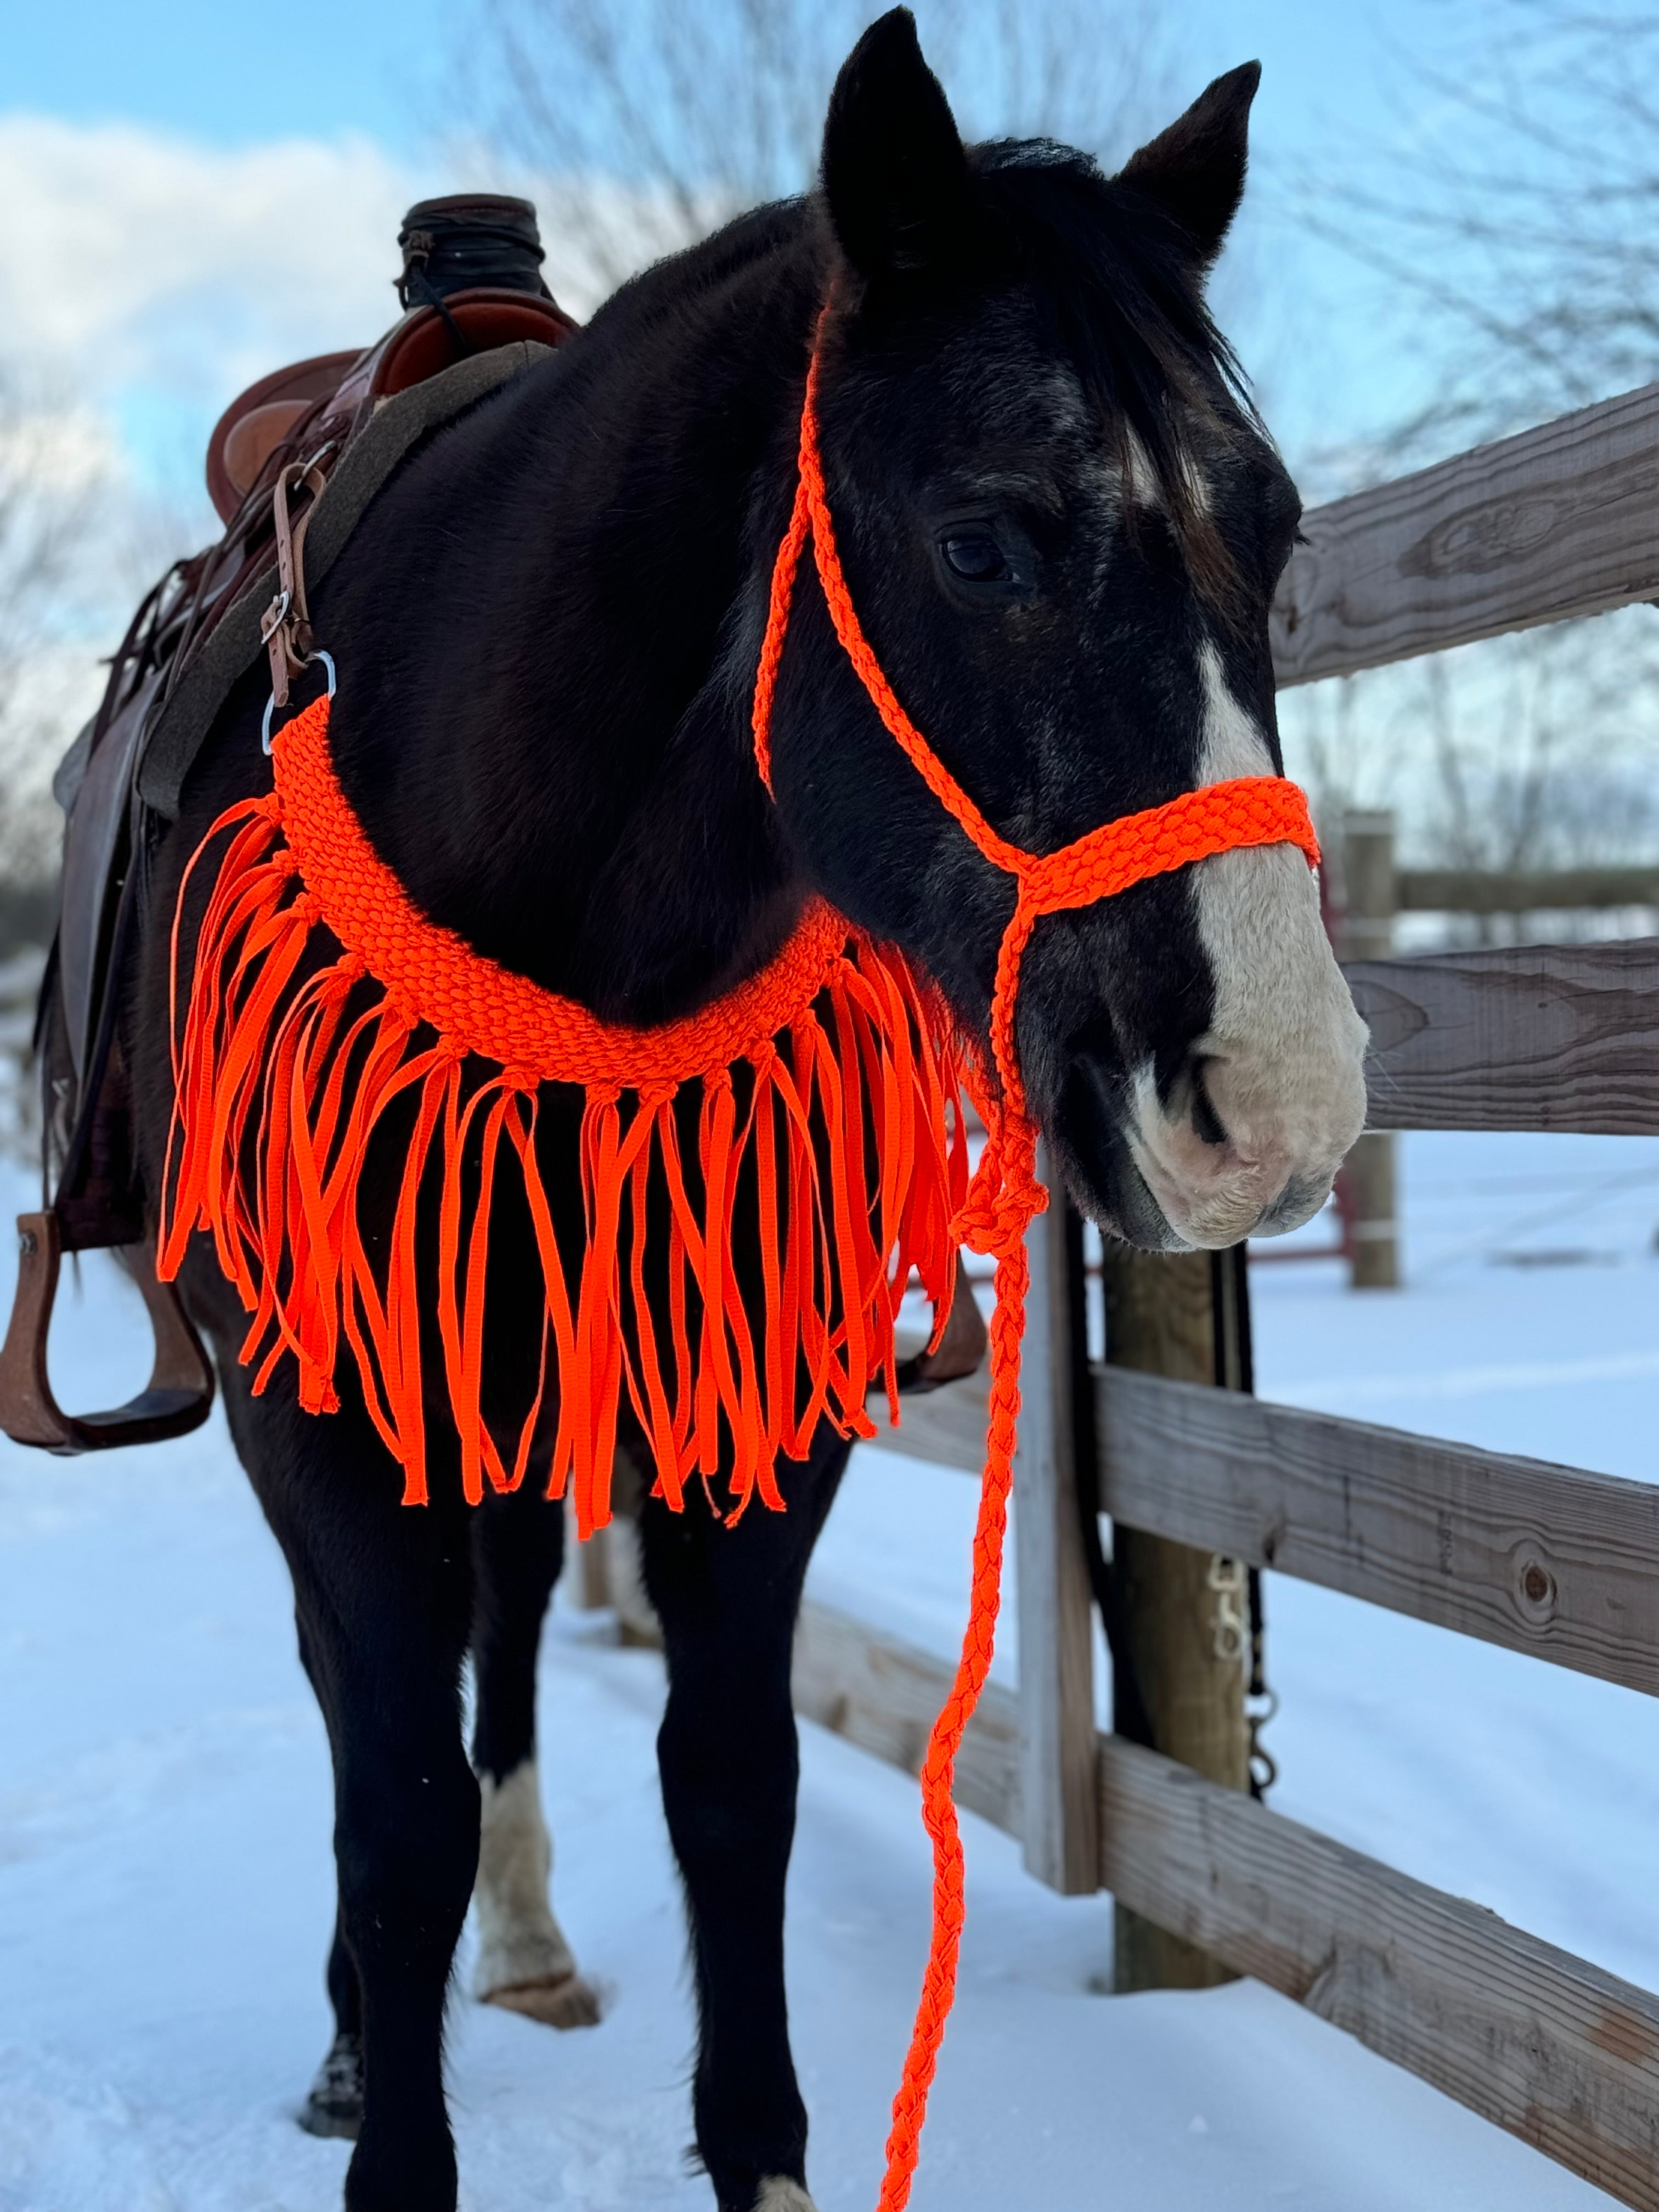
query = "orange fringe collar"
x=281 y=1085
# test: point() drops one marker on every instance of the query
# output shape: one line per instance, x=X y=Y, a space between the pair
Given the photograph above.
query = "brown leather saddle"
x=334 y=429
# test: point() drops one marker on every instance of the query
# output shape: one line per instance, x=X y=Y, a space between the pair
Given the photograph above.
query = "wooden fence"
x=1560 y=1563
x=1373 y=892
x=1552 y=1561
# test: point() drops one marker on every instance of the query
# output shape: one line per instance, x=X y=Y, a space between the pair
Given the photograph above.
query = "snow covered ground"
x=165 y=1882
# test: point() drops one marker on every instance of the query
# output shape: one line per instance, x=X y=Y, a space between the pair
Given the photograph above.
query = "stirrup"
x=179 y=1393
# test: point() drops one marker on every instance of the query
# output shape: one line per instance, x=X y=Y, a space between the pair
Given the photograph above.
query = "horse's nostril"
x=1205 y=1120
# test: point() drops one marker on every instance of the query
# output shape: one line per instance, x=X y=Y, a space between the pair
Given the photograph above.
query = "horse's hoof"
x=559 y=2000
x=334 y=2104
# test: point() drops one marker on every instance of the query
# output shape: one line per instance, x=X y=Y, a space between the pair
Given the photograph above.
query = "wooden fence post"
x=1367 y=933
x=1060 y=1763
x=1180 y=1612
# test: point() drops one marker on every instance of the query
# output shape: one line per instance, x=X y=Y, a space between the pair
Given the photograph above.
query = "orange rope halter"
x=1005 y=1195
x=283 y=1071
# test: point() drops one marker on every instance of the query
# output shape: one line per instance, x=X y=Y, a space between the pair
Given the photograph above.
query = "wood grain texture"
x=884 y=1695
x=1544 y=1559
x=1059 y=1836
x=1552 y=2049
x=1558 y=521
x=1541 y=1036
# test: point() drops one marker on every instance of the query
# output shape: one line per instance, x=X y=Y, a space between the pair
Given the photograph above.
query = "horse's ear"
x=895 y=175
x=1195 y=169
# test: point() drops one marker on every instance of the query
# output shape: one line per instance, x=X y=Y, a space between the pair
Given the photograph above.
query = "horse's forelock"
x=1128 y=313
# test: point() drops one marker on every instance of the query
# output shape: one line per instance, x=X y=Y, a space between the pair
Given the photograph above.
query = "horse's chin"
x=1093 y=1155
x=1104 y=1163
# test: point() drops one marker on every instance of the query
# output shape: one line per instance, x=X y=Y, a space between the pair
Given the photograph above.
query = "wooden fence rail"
x=1559 y=2052
x=1548 y=1561
x=1551 y=2048
x=1522 y=891
x=1538 y=1037
x=1554 y=523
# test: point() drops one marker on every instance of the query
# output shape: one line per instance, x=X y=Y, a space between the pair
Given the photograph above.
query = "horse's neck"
x=554 y=756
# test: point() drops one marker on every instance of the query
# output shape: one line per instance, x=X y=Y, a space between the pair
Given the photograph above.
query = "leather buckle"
x=275 y=615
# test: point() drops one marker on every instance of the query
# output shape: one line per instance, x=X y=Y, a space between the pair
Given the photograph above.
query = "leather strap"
x=285 y=625
x=176 y=735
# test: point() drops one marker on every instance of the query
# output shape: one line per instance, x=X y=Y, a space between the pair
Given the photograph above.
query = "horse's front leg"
x=383 y=1597
x=727 y=1600
x=524 y=1960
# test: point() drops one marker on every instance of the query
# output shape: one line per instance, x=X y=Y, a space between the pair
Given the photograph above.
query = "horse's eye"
x=977 y=560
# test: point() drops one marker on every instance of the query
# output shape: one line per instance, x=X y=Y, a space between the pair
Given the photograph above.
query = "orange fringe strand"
x=280 y=1083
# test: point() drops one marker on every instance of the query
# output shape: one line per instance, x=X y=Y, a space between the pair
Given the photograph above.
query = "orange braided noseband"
x=1005 y=1194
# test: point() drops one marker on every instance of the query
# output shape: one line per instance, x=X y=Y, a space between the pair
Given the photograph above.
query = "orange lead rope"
x=1005 y=1194
x=320 y=1000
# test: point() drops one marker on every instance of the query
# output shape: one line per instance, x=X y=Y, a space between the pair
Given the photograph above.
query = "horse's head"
x=1062 y=525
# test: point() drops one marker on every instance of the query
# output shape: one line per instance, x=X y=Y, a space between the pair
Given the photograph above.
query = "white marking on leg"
x=520 y=1941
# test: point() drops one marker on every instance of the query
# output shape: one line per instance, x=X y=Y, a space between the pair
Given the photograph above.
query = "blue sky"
x=217 y=71
x=147 y=146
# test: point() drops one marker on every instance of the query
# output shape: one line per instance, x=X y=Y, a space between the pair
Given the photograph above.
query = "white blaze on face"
x=1281 y=1062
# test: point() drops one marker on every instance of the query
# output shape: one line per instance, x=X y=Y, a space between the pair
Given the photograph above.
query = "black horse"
x=1063 y=526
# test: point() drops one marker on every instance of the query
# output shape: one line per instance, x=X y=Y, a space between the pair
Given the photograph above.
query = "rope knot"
x=1005 y=1196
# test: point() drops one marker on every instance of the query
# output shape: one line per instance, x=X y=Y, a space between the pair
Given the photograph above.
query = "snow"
x=166 y=1885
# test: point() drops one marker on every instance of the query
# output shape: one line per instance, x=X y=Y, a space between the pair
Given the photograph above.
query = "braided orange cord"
x=488 y=1009
x=1005 y=1195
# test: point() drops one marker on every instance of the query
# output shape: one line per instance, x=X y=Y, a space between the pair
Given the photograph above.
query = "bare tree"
x=37 y=530
x=46 y=497
x=645 y=127
x=1513 y=216
x=1512 y=221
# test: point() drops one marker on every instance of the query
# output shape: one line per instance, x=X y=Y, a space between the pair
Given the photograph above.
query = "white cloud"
x=145 y=279
x=132 y=263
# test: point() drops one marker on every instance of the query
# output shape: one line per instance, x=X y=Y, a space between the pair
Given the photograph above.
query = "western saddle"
x=294 y=461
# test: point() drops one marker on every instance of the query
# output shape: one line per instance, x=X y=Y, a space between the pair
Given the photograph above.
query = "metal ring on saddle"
x=265 y=738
